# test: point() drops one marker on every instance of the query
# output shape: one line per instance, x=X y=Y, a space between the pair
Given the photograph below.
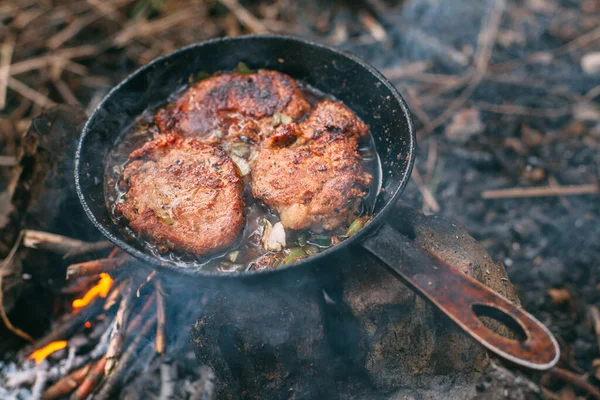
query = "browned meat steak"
x=183 y=194
x=235 y=106
x=311 y=173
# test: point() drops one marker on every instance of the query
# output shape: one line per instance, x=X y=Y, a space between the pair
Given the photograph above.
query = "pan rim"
x=378 y=219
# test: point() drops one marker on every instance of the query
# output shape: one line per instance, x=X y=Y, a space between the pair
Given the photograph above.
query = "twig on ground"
x=576 y=380
x=373 y=26
x=428 y=198
x=8 y=161
x=59 y=56
x=33 y=95
x=3 y=271
x=487 y=38
x=540 y=191
x=6 y=52
x=431 y=160
x=406 y=70
x=245 y=17
x=143 y=28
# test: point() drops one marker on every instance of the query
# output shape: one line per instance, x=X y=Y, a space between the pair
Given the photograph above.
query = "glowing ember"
x=41 y=354
x=88 y=324
x=101 y=289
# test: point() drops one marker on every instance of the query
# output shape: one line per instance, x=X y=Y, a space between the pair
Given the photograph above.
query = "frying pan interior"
x=346 y=77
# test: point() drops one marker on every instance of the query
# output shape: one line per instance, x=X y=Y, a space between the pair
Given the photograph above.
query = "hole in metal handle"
x=495 y=319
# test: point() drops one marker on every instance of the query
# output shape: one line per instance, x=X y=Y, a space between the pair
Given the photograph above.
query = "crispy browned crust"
x=240 y=106
x=183 y=195
x=311 y=173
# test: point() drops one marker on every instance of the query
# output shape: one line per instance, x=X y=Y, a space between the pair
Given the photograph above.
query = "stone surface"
x=356 y=331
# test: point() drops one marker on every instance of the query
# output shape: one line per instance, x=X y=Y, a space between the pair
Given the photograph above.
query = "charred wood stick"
x=137 y=321
x=576 y=380
x=66 y=385
x=59 y=244
x=168 y=376
x=82 y=284
x=69 y=327
x=91 y=380
x=126 y=360
x=541 y=191
x=161 y=316
x=95 y=267
x=115 y=343
x=114 y=294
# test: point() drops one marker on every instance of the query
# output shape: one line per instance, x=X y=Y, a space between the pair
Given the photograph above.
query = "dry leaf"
x=464 y=124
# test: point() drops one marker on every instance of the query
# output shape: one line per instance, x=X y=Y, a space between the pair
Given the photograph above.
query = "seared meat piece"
x=231 y=106
x=311 y=173
x=183 y=194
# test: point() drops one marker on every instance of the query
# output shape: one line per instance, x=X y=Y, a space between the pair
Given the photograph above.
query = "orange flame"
x=41 y=354
x=101 y=289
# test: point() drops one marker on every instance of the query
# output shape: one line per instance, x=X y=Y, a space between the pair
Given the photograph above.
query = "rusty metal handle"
x=456 y=293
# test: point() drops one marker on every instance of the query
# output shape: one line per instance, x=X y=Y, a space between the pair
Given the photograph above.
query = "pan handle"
x=456 y=294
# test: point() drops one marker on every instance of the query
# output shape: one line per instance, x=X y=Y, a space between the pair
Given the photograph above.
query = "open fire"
x=114 y=333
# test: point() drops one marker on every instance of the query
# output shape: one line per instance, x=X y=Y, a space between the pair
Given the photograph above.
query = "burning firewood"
x=112 y=297
x=137 y=321
x=69 y=327
x=91 y=380
x=125 y=361
x=95 y=267
x=117 y=336
x=66 y=385
x=161 y=344
x=59 y=244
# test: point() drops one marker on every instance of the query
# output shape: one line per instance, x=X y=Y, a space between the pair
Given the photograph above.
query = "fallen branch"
x=95 y=267
x=117 y=336
x=546 y=191
x=59 y=244
x=66 y=385
x=161 y=343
